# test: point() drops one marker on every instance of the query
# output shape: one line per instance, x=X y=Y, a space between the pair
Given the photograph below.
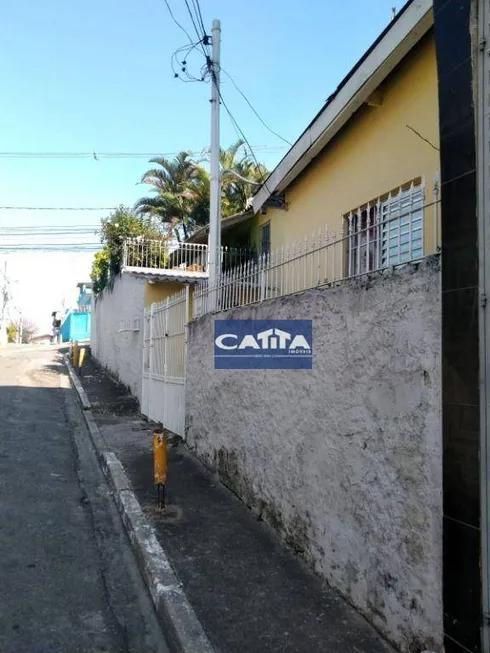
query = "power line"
x=55 y=245
x=240 y=131
x=176 y=21
x=65 y=247
x=201 y=37
x=51 y=228
x=184 y=64
x=64 y=227
x=57 y=208
x=253 y=108
x=33 y=236
x=115 y=155
x=198 y=33
x=197 y=9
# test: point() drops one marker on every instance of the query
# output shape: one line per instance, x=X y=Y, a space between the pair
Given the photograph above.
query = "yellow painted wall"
x=373 y=154
x=157 y=292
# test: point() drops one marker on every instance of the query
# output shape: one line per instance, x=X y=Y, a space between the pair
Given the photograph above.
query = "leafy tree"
x=11 y=333
x=122 y=224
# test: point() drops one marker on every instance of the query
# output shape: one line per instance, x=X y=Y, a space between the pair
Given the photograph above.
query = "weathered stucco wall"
x=344 y=460
x=121 y=352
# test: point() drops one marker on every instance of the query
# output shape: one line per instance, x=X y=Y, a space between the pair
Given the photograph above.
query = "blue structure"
x=76 y=326
x=76 y=322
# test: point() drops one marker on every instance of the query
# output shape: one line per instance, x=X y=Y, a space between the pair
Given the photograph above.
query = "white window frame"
x=387 y=231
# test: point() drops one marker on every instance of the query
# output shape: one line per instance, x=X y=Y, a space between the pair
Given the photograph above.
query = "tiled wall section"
x=462 y=603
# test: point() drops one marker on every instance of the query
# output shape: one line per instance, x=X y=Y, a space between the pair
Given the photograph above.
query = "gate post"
x=187 y=318
x=150 y=359
x=165 y=358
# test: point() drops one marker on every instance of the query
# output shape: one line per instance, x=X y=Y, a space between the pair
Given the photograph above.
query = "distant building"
x=76 y=322
x=41 y=339
x=84 y=301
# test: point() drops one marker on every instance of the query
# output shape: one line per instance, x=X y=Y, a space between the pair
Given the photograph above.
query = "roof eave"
x=397 y=42
x=165 y=276
x=201 y=235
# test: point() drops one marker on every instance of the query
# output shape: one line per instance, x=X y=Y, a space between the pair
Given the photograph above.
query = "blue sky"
x=95 y=75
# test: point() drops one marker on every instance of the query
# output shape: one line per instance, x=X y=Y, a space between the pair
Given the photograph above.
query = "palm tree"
x=236 y=193
x=181 y=190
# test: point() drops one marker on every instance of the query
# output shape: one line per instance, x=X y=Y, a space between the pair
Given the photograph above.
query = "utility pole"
x=214 y=239
x=4 y=298
x=21 y=324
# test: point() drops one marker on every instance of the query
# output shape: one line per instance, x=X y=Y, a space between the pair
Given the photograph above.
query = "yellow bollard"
x=76 y=354
x=160 y=464
x=81 y=358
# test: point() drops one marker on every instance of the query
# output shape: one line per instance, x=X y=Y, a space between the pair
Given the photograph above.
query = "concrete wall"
x=120 y=352
x=372 y=155
x=344 y=460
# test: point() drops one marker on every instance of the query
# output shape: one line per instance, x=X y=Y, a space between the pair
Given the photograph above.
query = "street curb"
x=182 y=628
x=82 y=395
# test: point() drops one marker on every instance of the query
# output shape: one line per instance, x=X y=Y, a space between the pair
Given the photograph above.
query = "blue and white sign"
x=263 y=344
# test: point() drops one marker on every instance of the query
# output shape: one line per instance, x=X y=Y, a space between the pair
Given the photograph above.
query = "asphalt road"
x=68 y=579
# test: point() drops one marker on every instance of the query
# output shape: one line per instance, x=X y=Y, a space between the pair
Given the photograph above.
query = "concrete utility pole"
x=4 y=299
x=21 y=326
x=214 y=240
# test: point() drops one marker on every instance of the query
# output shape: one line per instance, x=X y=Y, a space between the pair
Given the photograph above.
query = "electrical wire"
x=200 y=36
x=253 y=108
x=242 y=135
x=57 y=208
x=210 y=66
x=176 y=21
x=183 y=64
x=8 y=236
x=66 y=247
x=48 y=228
x=198 y=33
x=197 y=8
x=43 y=244
x=114 y=155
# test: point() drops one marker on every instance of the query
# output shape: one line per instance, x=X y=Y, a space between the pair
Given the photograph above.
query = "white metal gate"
x=164 y=360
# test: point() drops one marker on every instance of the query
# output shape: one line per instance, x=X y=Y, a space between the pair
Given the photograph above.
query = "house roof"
x=201 y=235
x=411 y=23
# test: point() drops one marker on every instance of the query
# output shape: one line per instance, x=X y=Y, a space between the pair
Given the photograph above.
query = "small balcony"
x=181 y=261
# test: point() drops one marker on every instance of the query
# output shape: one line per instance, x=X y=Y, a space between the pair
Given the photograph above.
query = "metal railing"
x=380 y=242
x=159 y=255
x=187 y=257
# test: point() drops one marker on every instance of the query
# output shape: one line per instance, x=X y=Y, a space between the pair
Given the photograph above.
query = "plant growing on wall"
x=122 y=224
x=100 y=271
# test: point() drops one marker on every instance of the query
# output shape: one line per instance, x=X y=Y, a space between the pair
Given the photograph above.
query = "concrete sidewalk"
x=249 y=592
